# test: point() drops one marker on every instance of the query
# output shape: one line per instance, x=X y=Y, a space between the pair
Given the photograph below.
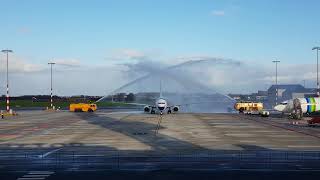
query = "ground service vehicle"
x=83 y=107
x=248 y=106
x=314 y=121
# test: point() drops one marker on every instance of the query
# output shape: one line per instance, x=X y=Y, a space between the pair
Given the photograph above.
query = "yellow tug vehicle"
x=248 y=107
x=83 y=107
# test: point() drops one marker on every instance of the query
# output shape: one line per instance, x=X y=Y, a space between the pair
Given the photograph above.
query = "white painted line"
x=84 y=155
x=41 y=172
x=17 y=156
x=36 y=175
x=50 y=152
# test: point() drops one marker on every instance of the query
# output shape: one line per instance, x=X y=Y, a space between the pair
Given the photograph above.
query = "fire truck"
x=83 y=107
x=249 y=107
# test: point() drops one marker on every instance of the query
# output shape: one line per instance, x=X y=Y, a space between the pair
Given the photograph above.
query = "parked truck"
x=83 y=107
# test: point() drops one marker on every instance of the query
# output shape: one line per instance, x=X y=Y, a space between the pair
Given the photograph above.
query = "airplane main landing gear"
x=169 y=111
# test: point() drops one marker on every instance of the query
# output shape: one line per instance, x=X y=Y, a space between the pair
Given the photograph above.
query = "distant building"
x=288 y=91
x=262 y=93
x=285 y=92
x=261 y=96
x=236 y=97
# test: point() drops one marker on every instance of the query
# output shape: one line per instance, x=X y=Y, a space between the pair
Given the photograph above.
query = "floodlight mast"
x=7 y=51
x=51 y=90
x=276 y=61
x=317 y=48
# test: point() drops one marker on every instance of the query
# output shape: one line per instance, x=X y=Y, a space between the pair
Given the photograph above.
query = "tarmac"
x=46 y=144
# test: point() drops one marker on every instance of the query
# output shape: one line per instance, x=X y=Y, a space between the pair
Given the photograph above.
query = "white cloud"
x=19 y=65
x=70 y=62
x=220 y=74
x=126 y=54
x=133 y=54
x=218 y=13
x=23 y=65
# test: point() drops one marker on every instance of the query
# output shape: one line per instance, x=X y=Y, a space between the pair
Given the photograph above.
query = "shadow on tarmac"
x=164 y=161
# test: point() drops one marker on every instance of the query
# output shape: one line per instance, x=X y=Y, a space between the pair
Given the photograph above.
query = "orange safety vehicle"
x=248 y=107
x=83 y=107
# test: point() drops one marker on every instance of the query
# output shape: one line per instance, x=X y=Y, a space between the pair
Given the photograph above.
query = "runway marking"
x=36 y=175
x=50 y=152
x=41 y=172
x=84 y=155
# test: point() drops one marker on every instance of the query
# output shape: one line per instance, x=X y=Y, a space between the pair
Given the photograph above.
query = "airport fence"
x=74 y=160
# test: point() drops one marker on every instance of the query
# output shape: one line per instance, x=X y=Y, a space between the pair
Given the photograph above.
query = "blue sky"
x=247 y=29
x=92 y=32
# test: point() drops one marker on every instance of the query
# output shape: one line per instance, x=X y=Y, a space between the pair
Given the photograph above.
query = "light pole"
x=51 y=95
x=7 y=51
x=317 y=48
x=276 y=80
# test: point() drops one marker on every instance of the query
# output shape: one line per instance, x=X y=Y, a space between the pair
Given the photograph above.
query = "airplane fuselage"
x=307 y=105
x=161 y=105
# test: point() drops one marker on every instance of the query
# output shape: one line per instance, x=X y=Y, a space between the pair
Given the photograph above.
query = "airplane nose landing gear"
x=169 y=111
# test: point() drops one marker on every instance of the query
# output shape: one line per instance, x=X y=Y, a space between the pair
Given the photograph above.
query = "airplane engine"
x=176 y=108
x=146 y=109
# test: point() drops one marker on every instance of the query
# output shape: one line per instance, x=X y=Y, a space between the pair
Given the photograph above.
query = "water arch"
x=181 y=86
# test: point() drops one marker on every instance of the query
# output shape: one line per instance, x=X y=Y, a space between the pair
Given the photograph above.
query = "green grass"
x=28 y=103
x=63 y=104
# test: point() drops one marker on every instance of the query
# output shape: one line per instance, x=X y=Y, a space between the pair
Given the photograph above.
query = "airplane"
x=161 y=105
x=299 y=106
